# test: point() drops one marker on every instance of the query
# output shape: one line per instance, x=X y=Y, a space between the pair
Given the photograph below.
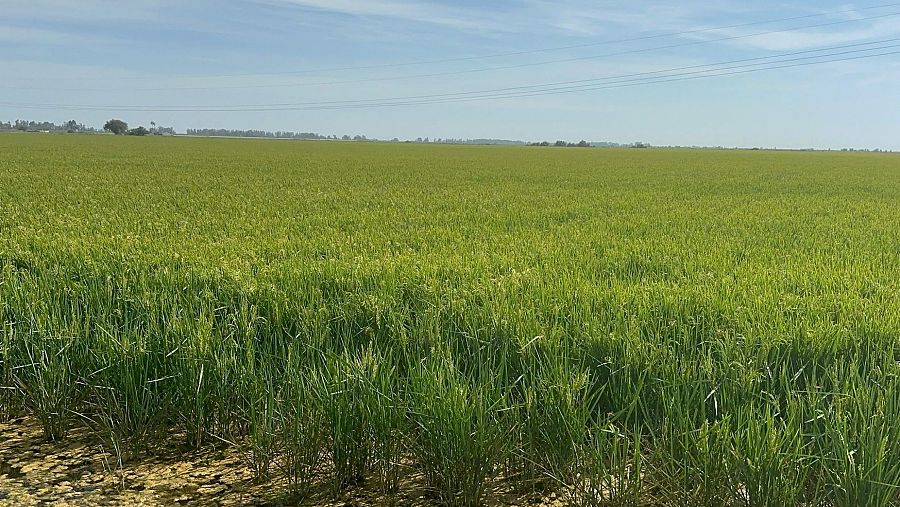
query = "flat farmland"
x=606 y=326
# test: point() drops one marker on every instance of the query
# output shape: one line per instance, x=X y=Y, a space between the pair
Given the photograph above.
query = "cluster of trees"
x=262 y=133
x=316 y=136
x=585 y=144
x=564 y=144
x=45 y=126
x=464 y=141
x=119 y=127
x=115 y=126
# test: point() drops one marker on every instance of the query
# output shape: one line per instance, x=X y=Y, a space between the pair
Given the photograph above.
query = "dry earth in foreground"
x=80 y=471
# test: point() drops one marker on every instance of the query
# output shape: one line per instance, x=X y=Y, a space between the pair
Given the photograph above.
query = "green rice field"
x=616 y=326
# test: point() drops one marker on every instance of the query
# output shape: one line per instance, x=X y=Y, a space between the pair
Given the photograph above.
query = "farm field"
x=603 y=326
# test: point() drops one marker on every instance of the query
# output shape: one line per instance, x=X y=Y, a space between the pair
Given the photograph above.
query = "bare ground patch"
x=81 y=471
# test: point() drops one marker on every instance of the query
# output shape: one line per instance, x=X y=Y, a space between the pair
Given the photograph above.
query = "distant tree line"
x=262 y=133
x=586 y=144
x=315 y=136
x=466 y=141
x=564 y=144
x=120 y=127
x=114 y=126
x=45 y=126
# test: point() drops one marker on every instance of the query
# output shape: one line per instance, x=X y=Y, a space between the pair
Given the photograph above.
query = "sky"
x=514 y=69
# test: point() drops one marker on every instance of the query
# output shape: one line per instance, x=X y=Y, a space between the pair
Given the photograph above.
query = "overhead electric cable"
x=578 y=46
x=715 y=72
x=523 y=52
x=708 y=67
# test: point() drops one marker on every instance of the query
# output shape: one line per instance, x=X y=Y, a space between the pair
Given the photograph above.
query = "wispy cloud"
x=790 y=40
x=94 y=10
x=583 y=18
x=409 y=11
x=31 y=35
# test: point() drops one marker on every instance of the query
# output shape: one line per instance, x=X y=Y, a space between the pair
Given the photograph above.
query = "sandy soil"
x=79 y=471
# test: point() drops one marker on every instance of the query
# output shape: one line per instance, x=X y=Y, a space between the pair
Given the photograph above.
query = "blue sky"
x=167 y=54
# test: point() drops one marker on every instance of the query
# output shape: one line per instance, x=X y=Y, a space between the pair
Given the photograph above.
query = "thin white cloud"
x=34 y=36
x=582 y=18
x=809 y=39
x=104 y=21
x=414 y=11
x=90 y=10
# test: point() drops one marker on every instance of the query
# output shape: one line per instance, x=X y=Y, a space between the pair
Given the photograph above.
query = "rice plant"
x=675 y=327
x=461 y=431
x=303 y=438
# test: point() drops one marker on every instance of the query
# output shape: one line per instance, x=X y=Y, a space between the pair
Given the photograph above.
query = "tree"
x=140 y=131
x=117 y=127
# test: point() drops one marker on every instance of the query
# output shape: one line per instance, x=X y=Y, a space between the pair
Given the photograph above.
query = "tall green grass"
x=616 y=327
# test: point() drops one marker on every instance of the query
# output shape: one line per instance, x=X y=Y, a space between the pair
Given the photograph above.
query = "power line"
x=713 y=73
x=526 y=87
x=518 y=53
x=575 y=46
x=491 y=69
x=666 y=79
x=641 y=75
x=687 y=75
x=623 y=81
